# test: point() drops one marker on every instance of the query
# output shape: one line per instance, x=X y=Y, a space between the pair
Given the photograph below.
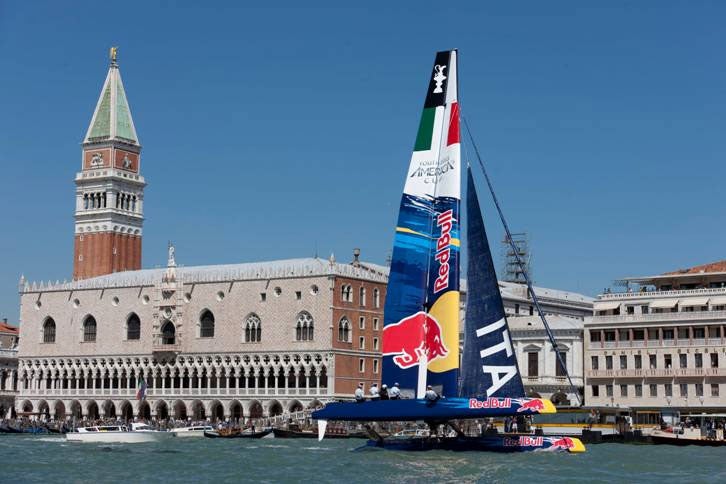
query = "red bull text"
x=490 y=403
x=523 y=441
x=413 y=337
x=443 y=252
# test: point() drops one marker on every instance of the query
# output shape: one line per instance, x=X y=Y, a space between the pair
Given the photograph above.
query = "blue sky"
x=280 y=131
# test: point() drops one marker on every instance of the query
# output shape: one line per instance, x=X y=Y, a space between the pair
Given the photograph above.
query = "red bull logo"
x=523 y=441
x=535 y=405
x=563 y=443
x=413 y=337
x=490 y=403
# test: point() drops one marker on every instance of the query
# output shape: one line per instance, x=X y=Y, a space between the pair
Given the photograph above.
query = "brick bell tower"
x=109 y=189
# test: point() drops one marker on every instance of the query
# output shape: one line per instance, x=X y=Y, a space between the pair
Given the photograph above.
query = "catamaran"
x=421 y=314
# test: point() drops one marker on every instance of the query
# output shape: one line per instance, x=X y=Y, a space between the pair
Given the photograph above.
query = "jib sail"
x=421 y=318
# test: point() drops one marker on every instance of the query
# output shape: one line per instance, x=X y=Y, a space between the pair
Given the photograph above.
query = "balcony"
x=646 y=318
x=658 y=373
x=636 y=296
x=159 y=347
x=666 y=343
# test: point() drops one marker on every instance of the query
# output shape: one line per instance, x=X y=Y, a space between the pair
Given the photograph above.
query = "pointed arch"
x=168 y=333
x=206 y=324
x=344 y=330
x=304 y=327
x=89 y=329
x=133 y=327
x=49 y=330
x=252 y=329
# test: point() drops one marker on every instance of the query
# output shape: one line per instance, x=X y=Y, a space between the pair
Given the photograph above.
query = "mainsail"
x=489 y=365
x=421 y=316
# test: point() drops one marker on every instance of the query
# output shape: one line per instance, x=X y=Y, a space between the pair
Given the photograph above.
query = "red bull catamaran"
x=421 y=314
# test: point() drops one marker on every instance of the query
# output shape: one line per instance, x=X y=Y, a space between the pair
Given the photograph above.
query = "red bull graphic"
x=413 y=337
x=490 y=403
x=535 y=406
x=443 y=252
x=523 y=441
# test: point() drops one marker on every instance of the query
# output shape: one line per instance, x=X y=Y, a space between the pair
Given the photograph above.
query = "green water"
x=51 y=459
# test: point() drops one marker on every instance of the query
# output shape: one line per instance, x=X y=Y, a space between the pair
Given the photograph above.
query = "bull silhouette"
x=413 y=337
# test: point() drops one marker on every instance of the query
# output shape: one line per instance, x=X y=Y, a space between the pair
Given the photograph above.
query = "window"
x=714 y=360
x=714 y=389
x=362 y=322
x=698 y=358
x=375 y=344
x=561 y=364
x=375 y=324
x=652 y=334
x=653 y=362
x=638 y=335
x=594 y=362
x=668 y=334
x=609 y=390
x=699 y=333
x=376 y=298
x=699 y=389
x=89 y=329
x=667 y=361
x=609 y=335
x=531 y=311
x=623 y=390
x=630 y=309
x=362 y=296
x=684 y=389
x=533 y=364
x=206 y=324
x=344 y=330
x=362 y=342
x=638 y=390
x=253 y=329
x=298 y=295
x=516 y=309
x=375 y=366
x=638 y=360
x=682 y=333
x=653 y=390
x=595 y=336
x=168 y=333
x=624 y=335
x=304 y=327
x=668 y=389
x=49 y=331
x=596 y=390
x=133 y=327
x=683 y=360
x=346 y=293
x=608 y=362
x=263 y=296
x=361 y=365
x=623 y=362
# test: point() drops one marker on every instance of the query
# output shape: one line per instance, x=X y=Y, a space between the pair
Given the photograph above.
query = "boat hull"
x=295 y=434
x=188 y=433
x=494 y=443
x=213 y=434
x=120 y=437
x=442 y=410
x=683 y=441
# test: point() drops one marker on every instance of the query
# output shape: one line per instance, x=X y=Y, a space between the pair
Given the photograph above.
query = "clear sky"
x=283 y=131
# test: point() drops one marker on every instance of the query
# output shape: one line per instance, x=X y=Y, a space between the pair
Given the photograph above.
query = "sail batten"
x=421 y=329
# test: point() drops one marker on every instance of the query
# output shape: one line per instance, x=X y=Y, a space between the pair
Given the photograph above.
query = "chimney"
x=356 y=256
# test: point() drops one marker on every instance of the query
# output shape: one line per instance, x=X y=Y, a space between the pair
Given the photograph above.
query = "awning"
x=718 y=301
x=694 y=301
x=663 y=303
x=606 y=305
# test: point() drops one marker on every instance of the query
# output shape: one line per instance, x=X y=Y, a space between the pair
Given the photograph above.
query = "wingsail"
x=489 y=365
x=421 y=329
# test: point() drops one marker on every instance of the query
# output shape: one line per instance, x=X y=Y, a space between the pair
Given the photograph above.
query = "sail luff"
x=489 y=365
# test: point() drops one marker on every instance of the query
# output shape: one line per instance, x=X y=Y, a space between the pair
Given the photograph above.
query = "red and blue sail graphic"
x=421 y=317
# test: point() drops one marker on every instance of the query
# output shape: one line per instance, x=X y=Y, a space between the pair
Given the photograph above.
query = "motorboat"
x=236 y=433
x=118 y=434
x=193 y=431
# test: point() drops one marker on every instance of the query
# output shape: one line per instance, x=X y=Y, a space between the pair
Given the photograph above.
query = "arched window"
x=253 y=329
x=362 y=296
x=346 y=293
x=206 y=324
x=304 y=327
x=168 y=333
x=49 y=331
x=376 y=298
x=89 y=329
x=133 y=327
x=85 y=201
x=344 y=330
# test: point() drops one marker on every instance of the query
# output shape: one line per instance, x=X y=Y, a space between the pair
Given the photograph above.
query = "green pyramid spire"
x=112 y=118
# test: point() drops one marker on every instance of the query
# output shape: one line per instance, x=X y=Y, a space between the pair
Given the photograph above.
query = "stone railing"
x=128 y=393
x=642 y=318
x=654 y=343
x=664 y=294
x=657 y=373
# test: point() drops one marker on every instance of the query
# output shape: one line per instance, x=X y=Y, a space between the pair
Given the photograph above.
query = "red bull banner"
x=421 y=317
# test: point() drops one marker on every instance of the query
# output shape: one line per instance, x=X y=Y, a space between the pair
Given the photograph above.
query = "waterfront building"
x=658 y=347
x=8 y=367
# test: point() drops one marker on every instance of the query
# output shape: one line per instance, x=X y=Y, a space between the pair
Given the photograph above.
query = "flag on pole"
x=141 y=393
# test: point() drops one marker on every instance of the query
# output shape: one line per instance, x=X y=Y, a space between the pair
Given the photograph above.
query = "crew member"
x=431 y=395
x=395 y=393
x=374 y=391
x=359 y=395
x=384 y=392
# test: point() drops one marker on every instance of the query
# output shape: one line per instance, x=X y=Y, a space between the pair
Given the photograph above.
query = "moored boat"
x=684 y=437
x=236 y=434
x=294 y=432
x=118 y=434
x=192 y=431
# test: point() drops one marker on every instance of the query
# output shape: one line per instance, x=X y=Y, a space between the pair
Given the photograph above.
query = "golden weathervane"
x=112 y=54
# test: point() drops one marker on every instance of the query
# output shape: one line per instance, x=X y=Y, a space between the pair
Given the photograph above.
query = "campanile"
x=109 y=188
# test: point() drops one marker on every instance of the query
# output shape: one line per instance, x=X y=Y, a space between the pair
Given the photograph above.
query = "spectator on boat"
x=431 y=396
x=359 y=395
x=374 y=391
x=395 y=393
x=384 y=392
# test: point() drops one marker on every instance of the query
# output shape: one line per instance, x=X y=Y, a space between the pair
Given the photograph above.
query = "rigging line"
x=551 y=336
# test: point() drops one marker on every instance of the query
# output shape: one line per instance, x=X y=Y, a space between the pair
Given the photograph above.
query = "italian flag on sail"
x=141 y=393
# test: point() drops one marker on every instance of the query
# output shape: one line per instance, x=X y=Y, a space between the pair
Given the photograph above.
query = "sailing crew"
x=384 y=392
x=395 y=393
x=359 y=395
x=431 y=395
x=374 y=391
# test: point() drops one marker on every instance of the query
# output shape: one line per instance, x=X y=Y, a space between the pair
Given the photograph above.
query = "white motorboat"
x=118 y=434
x=193 y=431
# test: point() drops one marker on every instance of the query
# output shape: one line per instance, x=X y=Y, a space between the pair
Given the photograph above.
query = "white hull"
x=187 y=433
x=118 y=437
